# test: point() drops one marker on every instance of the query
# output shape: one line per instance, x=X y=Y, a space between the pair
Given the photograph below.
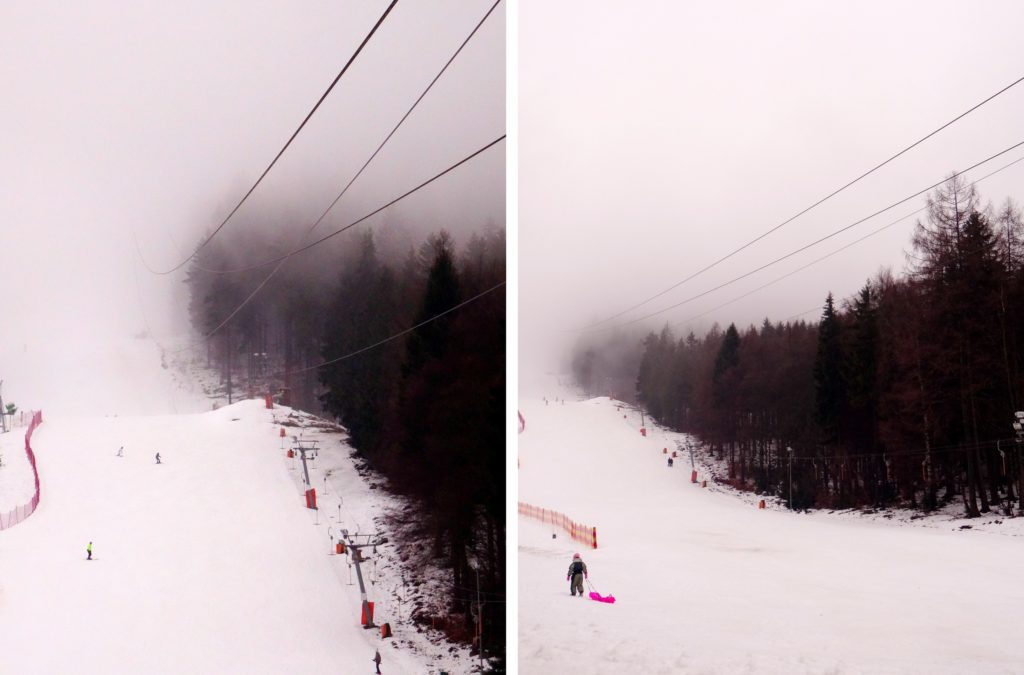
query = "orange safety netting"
x=581 y=533
x=20 y=513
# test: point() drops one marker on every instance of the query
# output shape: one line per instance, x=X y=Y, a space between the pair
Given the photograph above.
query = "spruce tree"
x=830 y=394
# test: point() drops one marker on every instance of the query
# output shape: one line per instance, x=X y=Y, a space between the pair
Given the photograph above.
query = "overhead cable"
x=283 y=260
x=341 y=194
x=813 y=243
x=280 y=260
x=281 y=151
x=401 y=333
x=321 y=240
x=794 y=217
x=829 y=255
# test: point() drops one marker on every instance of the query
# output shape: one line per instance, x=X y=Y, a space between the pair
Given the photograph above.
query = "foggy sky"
x=656 y=139
x=158 y=117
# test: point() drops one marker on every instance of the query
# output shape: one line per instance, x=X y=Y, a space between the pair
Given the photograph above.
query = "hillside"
x=207 y=562
x=706 y=582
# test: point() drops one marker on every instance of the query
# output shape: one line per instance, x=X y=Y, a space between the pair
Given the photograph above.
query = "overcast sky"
x=656 y=138
x=159 y=116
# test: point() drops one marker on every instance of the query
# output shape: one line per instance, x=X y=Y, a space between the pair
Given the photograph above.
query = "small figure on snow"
x=120 y=451
x=88 y=551
x=158 y=458
x=577 y=573
x=376 y=660
x=670 y=462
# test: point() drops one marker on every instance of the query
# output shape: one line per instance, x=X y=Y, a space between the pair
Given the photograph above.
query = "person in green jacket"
x=88 y=551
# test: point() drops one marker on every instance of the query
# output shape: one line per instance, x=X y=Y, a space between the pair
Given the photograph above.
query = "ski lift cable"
x=321 y=240
x=281 y=151
x=798 y=269
x=810 y=245
x=816 y=308
x=794 y=217
x=401 y=333
x=829 y=255
x=283 y=258
x=368 y=161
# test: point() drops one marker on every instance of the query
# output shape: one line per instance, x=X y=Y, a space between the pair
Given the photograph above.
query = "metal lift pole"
x=357 y=557
x=305 y=469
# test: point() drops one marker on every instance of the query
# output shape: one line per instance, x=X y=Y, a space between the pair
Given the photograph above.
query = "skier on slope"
x=577 y=572
x=376 y=660
x=88 y=551
x=120 y=451
x=158 y=458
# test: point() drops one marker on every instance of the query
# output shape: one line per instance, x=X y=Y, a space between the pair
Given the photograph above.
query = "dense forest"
x=904 y=394
x=426 y=410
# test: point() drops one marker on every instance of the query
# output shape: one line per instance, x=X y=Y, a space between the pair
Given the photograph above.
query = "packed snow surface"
x=206 y=563
x=707 y=583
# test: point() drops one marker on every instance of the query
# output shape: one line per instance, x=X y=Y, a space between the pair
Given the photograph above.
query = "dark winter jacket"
x=576 y=567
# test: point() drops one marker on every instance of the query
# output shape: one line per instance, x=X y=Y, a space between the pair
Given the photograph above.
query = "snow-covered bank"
x=95 y=377
x=708 y=583
x=17 y=482
x=207 y=562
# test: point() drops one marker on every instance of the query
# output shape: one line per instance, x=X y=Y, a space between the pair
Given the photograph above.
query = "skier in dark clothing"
x=577 y=573
x=158 y=458
x=376 y=660
x=670 y=462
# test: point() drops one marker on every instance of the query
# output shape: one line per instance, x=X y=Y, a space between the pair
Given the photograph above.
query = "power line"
x=281 y=152
x=829 y=255
x=280 y=260
x=807 y=311
x=373 y=156
x=145 y=319
x=816 y=242
x=799 y=269
x=794 y=217
x=399 y=334
x=319 y=241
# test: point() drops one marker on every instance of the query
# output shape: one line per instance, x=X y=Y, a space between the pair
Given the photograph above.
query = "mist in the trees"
x=902 y=394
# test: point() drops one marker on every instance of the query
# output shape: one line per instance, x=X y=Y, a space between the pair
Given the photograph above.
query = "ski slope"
x=95 y=376
x=706 y=583
x=205 y=563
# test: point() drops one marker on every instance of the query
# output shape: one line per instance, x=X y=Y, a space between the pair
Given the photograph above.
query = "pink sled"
x=602 y=598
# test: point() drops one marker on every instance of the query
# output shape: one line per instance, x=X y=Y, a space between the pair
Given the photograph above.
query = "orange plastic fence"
x=581 y=533
x=17 y=515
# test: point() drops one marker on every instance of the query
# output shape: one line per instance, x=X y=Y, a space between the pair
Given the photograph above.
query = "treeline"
x=905 y=394
x=607 y=366
x=426 y=409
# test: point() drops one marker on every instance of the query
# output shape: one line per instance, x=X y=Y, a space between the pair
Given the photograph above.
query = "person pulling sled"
x=577 y=573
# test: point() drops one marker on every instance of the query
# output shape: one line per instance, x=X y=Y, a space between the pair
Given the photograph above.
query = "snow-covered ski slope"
x=95 y=376
x=706 y=583
x=206 y=563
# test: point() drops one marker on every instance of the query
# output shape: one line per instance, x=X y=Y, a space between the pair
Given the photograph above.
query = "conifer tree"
x=830 y=394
